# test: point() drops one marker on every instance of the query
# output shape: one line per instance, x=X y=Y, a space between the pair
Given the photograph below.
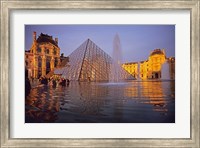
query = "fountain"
x=116 y=69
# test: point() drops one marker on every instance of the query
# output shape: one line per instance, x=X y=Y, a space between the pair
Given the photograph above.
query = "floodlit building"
x=131 y=68
x=43 y=56
x=152 y=67
x=89 y=63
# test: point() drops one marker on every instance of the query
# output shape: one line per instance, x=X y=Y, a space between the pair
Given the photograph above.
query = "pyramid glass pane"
x=90 y=63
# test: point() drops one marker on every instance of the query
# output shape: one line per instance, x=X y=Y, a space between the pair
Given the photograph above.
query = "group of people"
x=61 y=81
x=44 y=80
x=54 y=81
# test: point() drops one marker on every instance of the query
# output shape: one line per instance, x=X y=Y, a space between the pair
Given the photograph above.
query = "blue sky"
x=137 y=41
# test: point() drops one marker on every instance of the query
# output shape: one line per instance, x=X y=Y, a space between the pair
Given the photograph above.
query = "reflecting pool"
x=92 y=102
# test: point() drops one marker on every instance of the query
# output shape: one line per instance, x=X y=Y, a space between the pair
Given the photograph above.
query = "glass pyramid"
x=89 y=63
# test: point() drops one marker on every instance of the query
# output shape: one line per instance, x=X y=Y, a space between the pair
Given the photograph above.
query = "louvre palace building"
x=43 y=56
x=153 y=67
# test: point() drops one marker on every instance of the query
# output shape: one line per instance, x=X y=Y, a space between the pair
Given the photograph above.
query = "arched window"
x=48 y=64
x=38 y=49
x=54 y=51
x=47 y=51
x=39 y=62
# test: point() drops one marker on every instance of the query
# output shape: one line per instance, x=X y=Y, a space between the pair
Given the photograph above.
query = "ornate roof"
x=157 y=51
x=44 y=38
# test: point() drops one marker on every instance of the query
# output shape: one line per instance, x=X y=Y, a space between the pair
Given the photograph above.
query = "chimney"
x=163 y=50
x=56 y=40
x=34 y=36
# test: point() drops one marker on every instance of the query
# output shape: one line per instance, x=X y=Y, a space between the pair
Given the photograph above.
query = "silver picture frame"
x=5 y=85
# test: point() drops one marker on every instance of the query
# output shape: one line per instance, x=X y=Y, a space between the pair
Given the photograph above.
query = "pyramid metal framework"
x=89 y=63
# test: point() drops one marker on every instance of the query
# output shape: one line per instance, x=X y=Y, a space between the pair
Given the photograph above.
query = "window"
x=54 y=51
x=38 y=49
x=39 y=62
x=48 y=64
x=47 y=51
x=56 y=62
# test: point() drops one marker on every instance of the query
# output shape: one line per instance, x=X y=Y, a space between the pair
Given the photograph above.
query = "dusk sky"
x=137 y=41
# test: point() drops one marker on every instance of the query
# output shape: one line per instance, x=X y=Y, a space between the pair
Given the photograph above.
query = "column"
x=43 y=65
x=52 y=63
x=35 y=66
x=43 y=50
x=58 y=64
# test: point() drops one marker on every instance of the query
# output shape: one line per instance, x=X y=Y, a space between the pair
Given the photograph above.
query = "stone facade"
x=43 y=56
x=151 y=68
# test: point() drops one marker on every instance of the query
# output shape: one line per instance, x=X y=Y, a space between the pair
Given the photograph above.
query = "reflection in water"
x=90 y=102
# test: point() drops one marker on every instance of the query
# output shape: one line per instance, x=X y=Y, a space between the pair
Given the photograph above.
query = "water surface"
x=92 y=102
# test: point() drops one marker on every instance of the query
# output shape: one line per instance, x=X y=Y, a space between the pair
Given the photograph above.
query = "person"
x=27 y=84
x=44 y=80
x=41 y=79
x=67 y=82
x=63 y=82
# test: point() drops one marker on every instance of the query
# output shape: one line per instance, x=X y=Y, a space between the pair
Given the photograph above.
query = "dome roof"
x=44 y=38
x=157 y=51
